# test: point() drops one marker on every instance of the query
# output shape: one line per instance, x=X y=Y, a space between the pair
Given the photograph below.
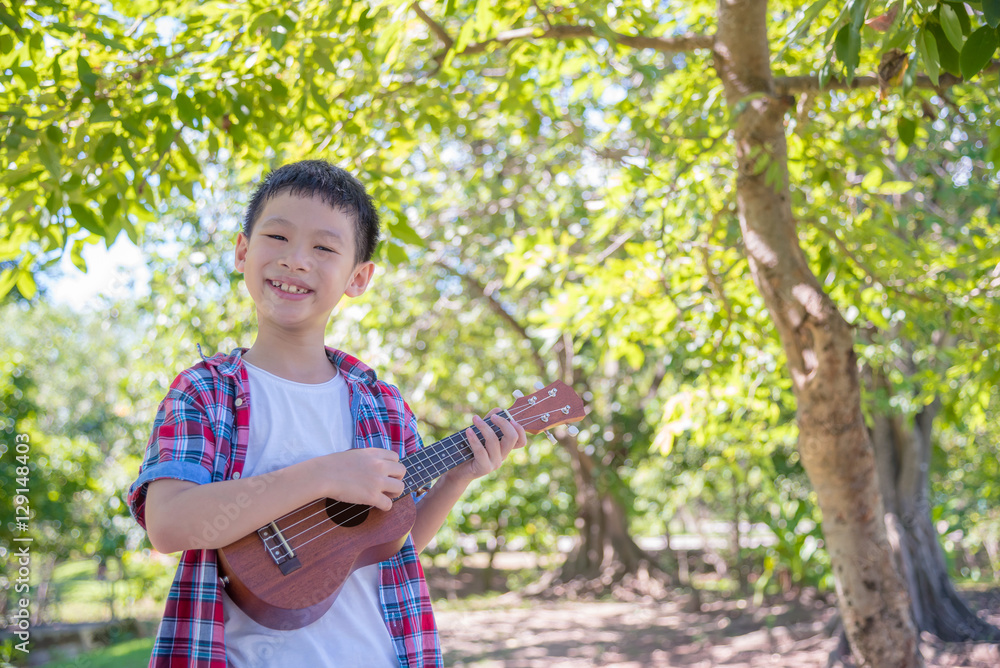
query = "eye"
x=276 y=236
x=324 y=248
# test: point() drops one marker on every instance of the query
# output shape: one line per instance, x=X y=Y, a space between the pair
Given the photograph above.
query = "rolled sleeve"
x=181 y=445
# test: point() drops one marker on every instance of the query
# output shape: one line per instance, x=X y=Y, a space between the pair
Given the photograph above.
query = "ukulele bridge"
x=279 y=549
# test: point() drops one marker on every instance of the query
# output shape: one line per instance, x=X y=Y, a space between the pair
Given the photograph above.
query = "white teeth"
x=289 y=288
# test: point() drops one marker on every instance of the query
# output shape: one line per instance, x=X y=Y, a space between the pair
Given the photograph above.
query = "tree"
x=483 y=69
x=81 y=431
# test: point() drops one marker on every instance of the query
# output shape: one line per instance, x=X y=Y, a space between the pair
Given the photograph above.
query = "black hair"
x=334 y=186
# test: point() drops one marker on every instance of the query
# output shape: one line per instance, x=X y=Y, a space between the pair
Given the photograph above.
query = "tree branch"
x=480 y=290
x=810 y=82
x=676 y=44
x=670 y=45
x=435 y=27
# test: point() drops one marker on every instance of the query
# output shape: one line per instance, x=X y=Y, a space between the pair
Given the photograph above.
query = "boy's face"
x=299 y=262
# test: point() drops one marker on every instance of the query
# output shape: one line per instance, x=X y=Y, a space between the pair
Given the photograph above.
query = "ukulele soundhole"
x=346 y=514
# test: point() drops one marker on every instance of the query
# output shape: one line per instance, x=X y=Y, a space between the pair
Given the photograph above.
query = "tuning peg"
x=518 y=394
x=539 y=384
x=549 y=436
x=573 y=431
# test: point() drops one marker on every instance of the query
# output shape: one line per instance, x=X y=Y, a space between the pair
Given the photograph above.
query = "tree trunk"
x=903 y=453
x=833 y=440
x=604 y=550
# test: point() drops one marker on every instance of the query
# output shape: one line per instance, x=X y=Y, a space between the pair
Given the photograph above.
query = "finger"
x=394 y=488
x=492 y=442
x=395 y=470
x=383 y=502
x=384 y=453
x=522 y=436
x=511 y=434
x=479 y=452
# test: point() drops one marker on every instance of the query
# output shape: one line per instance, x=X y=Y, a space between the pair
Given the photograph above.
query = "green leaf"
x=401 y=230
x=825 y=72
x=101 y=113
x=76 y=256
x=9 y=21
x=395 y=254
x=840 y=43
x=49 y=156
x=948 y=54
x=105 y=148
x=859 y=8
x=54 y=135
x=26 y=284
x=895 y=187
x=952 y=27
x=322 y=58
x=86 y=218
x=978 y=51
x=110 y=207
x=88 y=80
x=484 y=16
x=907 y=129
x=7 y=279
x=186 y=110
x=28 y=76
x=927 y=47
x=848 y=47
x=872 y=180
x=991 y=11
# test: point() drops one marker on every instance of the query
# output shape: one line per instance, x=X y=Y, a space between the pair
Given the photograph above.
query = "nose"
x=297 y=257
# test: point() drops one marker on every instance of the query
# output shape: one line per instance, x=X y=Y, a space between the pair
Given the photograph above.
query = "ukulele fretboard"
x=436 y=459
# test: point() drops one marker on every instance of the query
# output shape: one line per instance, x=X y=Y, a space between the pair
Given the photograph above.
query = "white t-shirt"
x=289 y=423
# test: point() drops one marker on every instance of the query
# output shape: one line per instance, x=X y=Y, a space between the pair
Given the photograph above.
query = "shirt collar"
x=353 y=369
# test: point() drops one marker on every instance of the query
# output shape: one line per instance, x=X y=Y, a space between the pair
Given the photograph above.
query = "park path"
x=515 y=632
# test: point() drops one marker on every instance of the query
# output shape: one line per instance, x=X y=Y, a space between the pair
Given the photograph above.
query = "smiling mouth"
x=291 y=289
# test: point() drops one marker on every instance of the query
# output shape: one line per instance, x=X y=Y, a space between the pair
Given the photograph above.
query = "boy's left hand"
x=489 y=452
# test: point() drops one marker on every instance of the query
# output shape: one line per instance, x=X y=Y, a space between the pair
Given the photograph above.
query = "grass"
x=78 y=596
x=127 y=654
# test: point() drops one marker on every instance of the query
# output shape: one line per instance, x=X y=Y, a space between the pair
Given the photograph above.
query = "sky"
x=116 y=272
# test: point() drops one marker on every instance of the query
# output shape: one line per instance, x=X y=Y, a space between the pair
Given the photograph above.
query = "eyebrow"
x=284 y=222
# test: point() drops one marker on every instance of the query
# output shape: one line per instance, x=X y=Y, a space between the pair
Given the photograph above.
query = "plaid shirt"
x=200 y=434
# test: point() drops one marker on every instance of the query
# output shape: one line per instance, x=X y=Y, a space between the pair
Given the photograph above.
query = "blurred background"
x=558 y=187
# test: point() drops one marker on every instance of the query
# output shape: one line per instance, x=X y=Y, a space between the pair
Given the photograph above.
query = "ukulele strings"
x=361 y=512
x=335 y=526
x=288 y=540
x=459 y=435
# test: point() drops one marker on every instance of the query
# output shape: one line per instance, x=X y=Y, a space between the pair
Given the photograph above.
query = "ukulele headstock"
x=553 y=405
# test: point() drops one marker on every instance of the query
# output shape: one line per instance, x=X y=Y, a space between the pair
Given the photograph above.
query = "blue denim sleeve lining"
x=174 y=468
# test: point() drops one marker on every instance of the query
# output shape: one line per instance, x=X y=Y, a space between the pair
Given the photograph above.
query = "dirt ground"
x=514 y=631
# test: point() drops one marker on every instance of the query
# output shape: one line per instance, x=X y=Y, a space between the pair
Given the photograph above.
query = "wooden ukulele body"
x=285 y=601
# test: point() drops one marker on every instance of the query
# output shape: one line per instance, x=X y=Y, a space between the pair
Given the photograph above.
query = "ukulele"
x=287 y=574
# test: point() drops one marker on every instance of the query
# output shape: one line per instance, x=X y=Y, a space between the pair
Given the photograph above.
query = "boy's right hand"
x=368 y=476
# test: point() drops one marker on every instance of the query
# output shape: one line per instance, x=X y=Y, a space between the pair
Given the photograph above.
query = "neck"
x=296 y=357
x=433 y=461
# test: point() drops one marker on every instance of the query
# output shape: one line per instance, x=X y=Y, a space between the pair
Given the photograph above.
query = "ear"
x=242 y=243
x=359 y=281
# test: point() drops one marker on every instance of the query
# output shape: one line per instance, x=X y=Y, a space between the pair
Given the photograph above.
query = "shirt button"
x=239 y=401
x=236 y=476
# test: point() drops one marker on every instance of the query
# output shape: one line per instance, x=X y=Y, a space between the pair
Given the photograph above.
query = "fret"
x=433 y=461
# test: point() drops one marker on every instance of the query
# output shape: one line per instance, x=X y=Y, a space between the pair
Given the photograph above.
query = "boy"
x=215 y=471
